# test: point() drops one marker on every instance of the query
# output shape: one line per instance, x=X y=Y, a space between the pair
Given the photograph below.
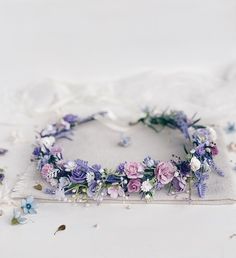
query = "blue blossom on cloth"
x=230 y=128
x=28 y=205
x=124 y=141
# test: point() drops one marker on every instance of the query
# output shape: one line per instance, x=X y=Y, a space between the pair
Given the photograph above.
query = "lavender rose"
x=134 y=170
x=134 y=185
x=165 y=172
x=78 y=176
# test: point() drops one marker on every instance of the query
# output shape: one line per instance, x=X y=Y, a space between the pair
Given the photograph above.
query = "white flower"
x=46 y=143
x=49 y=130
x=63 y=181
x=195 y=164
x=146 y=186
x=53 y=182
x=212 y=134
x=90 y=177
x=65 y=124
x=70 y=166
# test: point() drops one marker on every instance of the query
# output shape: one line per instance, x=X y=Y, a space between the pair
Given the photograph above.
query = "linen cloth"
x=97 y=142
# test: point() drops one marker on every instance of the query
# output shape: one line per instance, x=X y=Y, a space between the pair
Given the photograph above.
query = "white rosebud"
x=195 y=164
x=212 y=134
x=47 y=142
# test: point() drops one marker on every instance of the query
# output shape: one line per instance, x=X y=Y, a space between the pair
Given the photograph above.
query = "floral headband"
x=83 y=181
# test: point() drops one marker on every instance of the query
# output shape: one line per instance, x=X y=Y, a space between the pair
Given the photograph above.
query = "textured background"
x=164 y=53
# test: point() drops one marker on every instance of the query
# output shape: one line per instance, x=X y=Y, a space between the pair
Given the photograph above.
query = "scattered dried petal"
x=38 y=187
x=60 y=228
x=232 y=147
x=95 y=226
x=232 y=236
x=3 y=151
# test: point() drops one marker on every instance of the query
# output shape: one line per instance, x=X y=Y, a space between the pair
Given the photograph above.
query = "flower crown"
x=81 y=180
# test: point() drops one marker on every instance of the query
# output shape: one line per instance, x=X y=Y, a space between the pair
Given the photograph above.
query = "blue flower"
x=28 y=205
x=17 y=218
x=231 y=128
x=113 y=179
x=125 y=141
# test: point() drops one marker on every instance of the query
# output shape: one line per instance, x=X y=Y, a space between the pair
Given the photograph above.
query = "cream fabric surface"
x=97 y=142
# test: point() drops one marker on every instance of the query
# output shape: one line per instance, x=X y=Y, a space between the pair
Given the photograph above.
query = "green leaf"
x=60 y=228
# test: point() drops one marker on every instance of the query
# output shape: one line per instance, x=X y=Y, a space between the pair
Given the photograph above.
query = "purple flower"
x=2 y=176
x=179 y=184
x=70 y=118
x=184 y=168
x=91 y=191
x=121 y=168
x=149 y=162
x=182 y=123
x=200 y=150
x=96 y=169
x=37 y=151
x=79 y=174
x=164 y=172
x=159 y=186
x=134 y=185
